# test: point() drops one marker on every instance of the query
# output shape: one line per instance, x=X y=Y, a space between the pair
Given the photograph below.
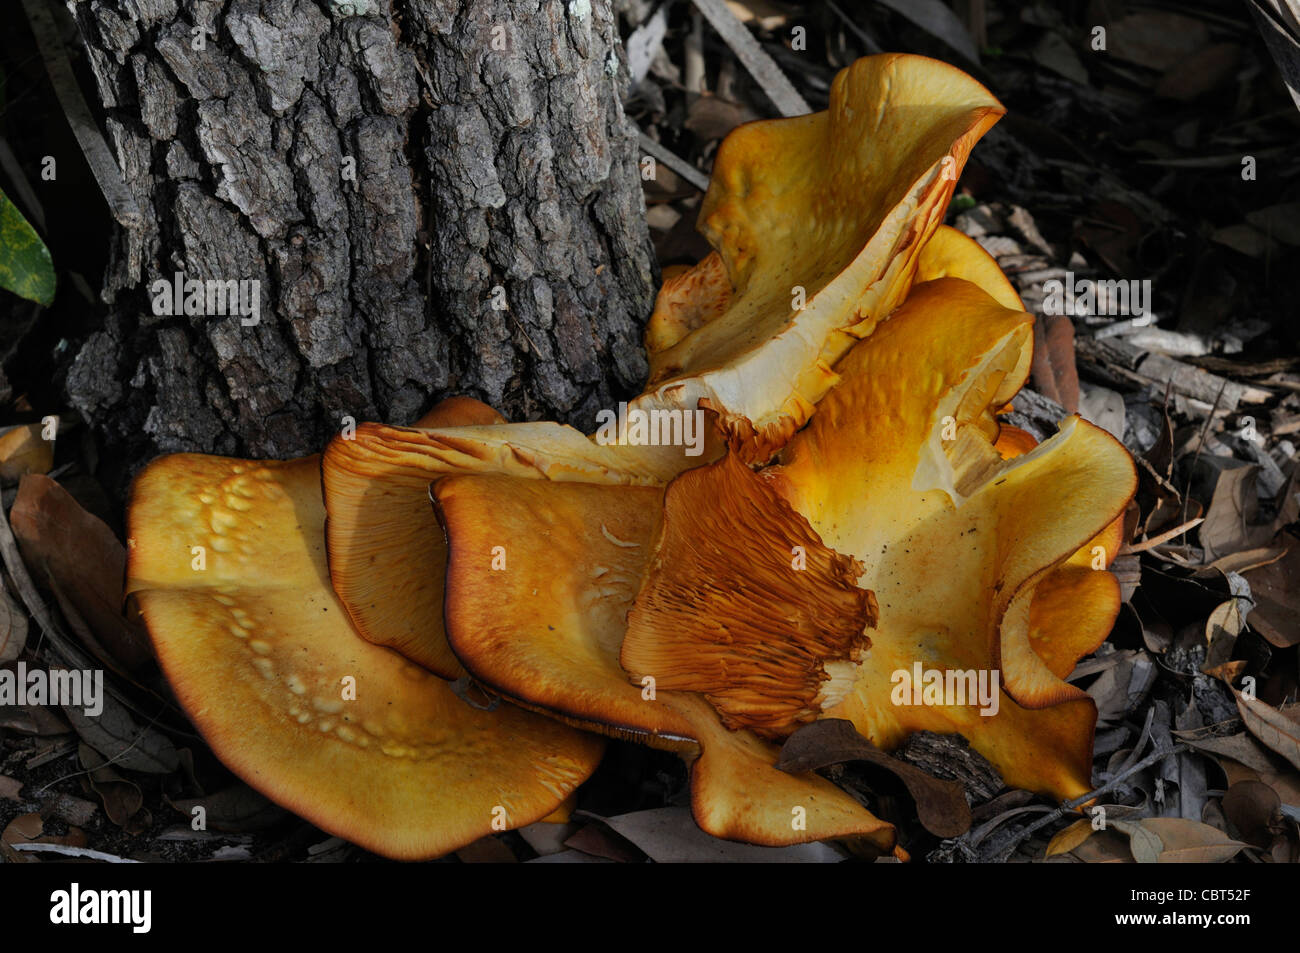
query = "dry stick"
x=67 y=851
x=1083 y=799
x=754 y=58
x=101 y=162
x=868 y=43
x=1164 y=537
x=679 y=165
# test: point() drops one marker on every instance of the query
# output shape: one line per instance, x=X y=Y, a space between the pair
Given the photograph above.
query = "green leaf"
x=25 y=265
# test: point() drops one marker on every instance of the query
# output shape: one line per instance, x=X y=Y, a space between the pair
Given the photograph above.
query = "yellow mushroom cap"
x=544 y=625
x=976 y=563
x=227 y=564
x=387 y=555
x=817 y=222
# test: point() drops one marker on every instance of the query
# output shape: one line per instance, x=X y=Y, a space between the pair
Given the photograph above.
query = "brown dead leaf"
x=30 y=829
x=33 y=720
x=1278 y=730
x=1191 y=842
x=23 y=451
x=1276 y=590
x=1104 y=847
x=940 y=805
x=1156 y=39
x=669 y=835
x=123 y=802
x=1071 y=837
x=1202 y=72
x=597 y=841
x=80 y=559
x=237 y=809
x=711 y=117
x=1143 y=844
x=1054 y=372
x=117 y=736
x=1232 y=518
x=13 y=627
x=487 y=850
x=1254 y=809
x=10 y=789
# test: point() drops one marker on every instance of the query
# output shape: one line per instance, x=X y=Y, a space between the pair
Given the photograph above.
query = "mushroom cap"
x=387 y=555
x=546 y=629
x=955 y=539
x=836 y=204
x=257 y=649
x=950 y=254
x=976 y=562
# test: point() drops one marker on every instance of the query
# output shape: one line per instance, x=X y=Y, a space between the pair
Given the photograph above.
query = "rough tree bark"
x=490 y=152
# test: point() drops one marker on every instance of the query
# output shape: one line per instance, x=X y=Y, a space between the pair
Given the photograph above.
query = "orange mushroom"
x=691 y=603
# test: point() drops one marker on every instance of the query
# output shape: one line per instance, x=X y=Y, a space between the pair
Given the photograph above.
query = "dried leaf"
x=487 y=850
x=940 y=805
x=1231 y=520
x=13 y=627
x=1156 y=40
x=711 y=118
x=1276 y=591
x=1277 y=730
x=78 y=556
x=33 y=720
x=30 y=829
x=595 y=840
x=1278 y=221
x=1145 y=845
x=1071 y=837
x=237 y=809
x=1055 y=375
x=1104 y=847
x=1240 y=747
x=1254 y=809
x=115 y=734
x=123 y=802
x=1200 y=73
x=668 y=835
x=1191 y=842
x=22 y=451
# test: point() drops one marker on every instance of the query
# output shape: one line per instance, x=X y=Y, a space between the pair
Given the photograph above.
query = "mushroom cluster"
x=335 y=625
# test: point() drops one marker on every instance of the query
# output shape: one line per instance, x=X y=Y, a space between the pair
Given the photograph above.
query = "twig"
x=98 y=157
x=1110 y=785
x=1164 y=537
x=74 y=852
x=870 y=45
x=753 y=57
x=679 y=165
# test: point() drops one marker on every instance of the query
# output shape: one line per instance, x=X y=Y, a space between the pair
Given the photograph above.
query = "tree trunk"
x=435 y=196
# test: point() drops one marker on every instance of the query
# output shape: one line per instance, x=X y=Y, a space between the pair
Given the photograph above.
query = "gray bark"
x=476 y=167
